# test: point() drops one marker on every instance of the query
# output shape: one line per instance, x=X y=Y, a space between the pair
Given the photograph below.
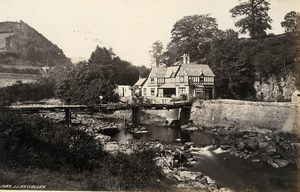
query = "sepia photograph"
x=150 y=95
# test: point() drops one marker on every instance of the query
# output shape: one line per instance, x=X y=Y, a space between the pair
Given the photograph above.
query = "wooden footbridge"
x=135 y=108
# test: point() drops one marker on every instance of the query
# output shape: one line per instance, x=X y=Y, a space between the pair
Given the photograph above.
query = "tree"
x=102 y=56
x=234 y=76
x=156 y=52
x=255 y=18
x=191 y=33
x=291 y=22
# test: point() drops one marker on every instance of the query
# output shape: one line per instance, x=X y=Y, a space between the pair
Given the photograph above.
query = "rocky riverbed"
x=278 y=149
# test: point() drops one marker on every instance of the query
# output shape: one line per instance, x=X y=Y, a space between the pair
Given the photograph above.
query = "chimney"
x=156 y=63
x=186 y=59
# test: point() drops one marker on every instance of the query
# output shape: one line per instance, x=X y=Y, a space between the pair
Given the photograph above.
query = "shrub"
x=31 y=140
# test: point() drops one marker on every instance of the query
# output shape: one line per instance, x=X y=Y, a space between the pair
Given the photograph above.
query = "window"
x=160 y=92
x=199 y=91
x=160 y=81
x=145 y=91
x=181 y=79
x=181 y=90
x=152 y=80
x=201 y=80
x=152 y=91
x=196 y=80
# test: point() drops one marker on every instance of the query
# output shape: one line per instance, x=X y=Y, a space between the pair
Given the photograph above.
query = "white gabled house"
x=137 y=87
x=189 y=79
x=123 y=90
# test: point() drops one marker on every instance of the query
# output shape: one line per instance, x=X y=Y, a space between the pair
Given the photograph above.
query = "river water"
x=227 y=170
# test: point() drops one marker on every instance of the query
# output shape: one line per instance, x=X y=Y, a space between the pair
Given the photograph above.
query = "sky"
x=129 y=27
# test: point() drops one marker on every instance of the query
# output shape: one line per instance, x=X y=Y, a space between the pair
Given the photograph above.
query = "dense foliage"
x=255 y=18
x=34 y=142
x=237 y=63
x=97 y=77
x=191 y=35
x=291 y=22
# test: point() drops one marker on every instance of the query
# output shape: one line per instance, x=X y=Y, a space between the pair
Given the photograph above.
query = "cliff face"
x=275 y=89
x=20 y=44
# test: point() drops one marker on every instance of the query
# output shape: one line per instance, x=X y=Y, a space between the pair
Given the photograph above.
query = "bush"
x=32 y=142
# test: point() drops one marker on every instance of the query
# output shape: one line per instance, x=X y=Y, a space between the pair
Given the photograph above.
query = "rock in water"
x=271 y=162
x=281 y=162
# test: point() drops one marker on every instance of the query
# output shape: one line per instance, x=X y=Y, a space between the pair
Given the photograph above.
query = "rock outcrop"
x=275 y=89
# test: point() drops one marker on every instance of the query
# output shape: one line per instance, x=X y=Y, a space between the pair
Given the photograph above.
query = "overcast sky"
x=129 y=27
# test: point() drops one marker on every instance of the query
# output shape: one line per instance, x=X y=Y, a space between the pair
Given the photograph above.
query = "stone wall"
x=279 y=116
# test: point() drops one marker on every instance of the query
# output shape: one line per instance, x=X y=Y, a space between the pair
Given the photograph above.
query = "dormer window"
x=152 y=79
x=181 y=79
x=201 y=79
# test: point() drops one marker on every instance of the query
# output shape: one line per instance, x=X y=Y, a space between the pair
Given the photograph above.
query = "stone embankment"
x=257 y=131
x=274 y=116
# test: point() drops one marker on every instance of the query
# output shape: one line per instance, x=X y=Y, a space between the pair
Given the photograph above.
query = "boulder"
x=187 y=175
x=262 y=144
x=241 y=145
x=188 y=145
x=224 y=147
x=192 y=128
x=272 y=163
x=281 y=162
x=252 y=144
x=271 y=150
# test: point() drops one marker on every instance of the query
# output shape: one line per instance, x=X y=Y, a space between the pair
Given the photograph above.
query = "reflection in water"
x=167 y=135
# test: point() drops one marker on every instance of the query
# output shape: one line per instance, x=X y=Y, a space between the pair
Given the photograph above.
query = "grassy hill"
x=21 y=44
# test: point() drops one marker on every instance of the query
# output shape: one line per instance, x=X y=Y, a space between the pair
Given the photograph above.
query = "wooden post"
x=68 y=116
x=135 y=113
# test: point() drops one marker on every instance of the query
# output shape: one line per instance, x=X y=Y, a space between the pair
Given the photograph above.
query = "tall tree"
x=102 y=56
x=291 y=22
x=192 y=34
x=156 y=52
x=254 y=17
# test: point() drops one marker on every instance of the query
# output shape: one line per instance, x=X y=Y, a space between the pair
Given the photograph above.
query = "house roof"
x=165 y=72
x=140 y=82
x=195 y=70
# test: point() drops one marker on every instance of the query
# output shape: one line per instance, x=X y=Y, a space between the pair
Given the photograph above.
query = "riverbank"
x=35 y=149
x=263 y=147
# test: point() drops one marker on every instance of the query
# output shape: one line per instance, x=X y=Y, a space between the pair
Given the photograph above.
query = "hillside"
x=20 y=44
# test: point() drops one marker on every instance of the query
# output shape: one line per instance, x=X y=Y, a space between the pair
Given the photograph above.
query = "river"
x=226 y=169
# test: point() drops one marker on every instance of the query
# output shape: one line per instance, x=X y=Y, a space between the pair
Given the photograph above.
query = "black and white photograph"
x=150 y=95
